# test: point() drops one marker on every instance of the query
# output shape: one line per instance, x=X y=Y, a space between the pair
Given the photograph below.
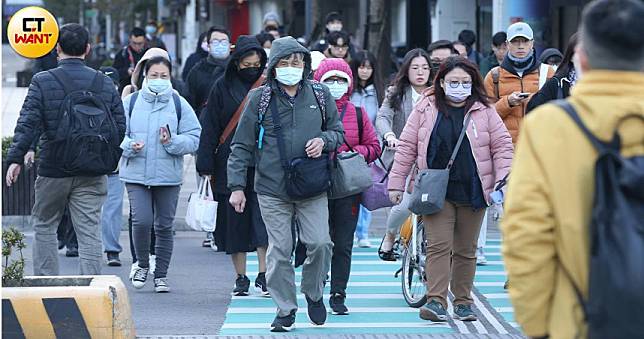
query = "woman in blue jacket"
x=161 y=129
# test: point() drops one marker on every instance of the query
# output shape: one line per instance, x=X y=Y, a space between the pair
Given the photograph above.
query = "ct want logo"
x=32 y=32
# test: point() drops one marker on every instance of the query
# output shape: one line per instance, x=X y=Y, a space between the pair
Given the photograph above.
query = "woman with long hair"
x=558 y=87
x=408 y=84
x=457 y=102
x=368 y=94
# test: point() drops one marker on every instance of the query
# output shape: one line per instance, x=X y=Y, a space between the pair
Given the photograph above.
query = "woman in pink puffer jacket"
x=343 y=213
x=484 y=158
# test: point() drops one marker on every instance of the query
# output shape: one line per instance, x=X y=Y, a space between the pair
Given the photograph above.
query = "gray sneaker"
x=433 y=311
x=161 y=285
x=464 y=313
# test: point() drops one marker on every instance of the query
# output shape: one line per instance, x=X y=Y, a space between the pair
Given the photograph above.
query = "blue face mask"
x=158 y=85
x=150 y=30
x=220 y=50
x=288 y=76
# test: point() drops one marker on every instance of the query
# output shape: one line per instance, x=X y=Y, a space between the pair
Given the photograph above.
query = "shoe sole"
x=114 y=264
x=468 y=318
x=162 y=289
x=261 y=292
x=427 y=314
x=240 y=294
x=340 y=313
x=282 y=329
x=138 y=287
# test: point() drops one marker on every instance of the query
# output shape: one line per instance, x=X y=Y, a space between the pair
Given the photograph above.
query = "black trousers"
x=65 y=232
x=343 y=218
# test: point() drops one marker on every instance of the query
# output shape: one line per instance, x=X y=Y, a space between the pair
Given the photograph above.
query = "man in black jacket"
x=127 y=58
x=207 y=71
x=56 y=186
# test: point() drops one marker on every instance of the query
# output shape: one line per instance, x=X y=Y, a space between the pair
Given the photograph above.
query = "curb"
x=67 y=307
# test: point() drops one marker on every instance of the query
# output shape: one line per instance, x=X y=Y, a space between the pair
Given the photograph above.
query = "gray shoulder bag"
x=430 y=186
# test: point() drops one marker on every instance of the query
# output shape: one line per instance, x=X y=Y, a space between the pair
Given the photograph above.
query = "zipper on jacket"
x=476 y=135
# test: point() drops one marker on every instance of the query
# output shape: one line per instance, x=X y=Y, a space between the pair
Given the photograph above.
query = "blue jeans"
x=364 y=220
x=112 y=216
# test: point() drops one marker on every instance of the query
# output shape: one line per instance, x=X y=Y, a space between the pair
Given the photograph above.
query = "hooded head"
x=336 y=67
x=551 y=56
x=282 y=48
x=246 y=44
x=138 y=70
x=202 y=43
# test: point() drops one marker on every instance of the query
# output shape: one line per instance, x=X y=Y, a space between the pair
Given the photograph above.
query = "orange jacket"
x=510 y=82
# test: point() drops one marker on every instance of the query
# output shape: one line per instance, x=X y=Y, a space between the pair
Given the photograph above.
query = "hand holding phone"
x=164 y=135
x=138 y=146
x=524 y=95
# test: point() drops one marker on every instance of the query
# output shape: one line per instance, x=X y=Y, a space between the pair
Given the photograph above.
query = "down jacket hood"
x=245 y=44
x=283 y=47
x=149 y=54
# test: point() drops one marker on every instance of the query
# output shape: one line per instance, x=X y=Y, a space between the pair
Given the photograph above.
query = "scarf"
x=521 y=64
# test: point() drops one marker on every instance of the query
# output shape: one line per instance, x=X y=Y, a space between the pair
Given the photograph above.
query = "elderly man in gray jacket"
x=304 y=135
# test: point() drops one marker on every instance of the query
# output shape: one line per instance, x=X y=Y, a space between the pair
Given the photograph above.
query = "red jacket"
x=369 y=146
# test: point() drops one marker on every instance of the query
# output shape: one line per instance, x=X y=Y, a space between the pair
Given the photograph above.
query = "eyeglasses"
x=338 y=81
x=219 y=42
x=454 y=84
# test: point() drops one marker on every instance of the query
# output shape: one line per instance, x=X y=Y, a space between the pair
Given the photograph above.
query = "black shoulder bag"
x=305 y=177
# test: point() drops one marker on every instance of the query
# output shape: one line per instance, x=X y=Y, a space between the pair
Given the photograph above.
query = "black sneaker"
x=61 y=244
x=464 y=313
x=113 y=259
x=316 y=311
x=260 y=284
x=336 y=301
x=242 y=284
x=433 y=311
x=71 y=252
x=283 y=324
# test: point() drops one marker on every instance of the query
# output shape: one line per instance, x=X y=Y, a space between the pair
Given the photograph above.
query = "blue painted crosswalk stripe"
x=376 y=304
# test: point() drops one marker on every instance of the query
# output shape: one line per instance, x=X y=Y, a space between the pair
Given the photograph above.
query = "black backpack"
x=87 y=141
x=616 y=279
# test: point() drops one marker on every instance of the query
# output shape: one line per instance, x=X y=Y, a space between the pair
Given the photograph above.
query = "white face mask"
x=338 y=90
x=458 y=94
x=288 y=76
x=577 y=64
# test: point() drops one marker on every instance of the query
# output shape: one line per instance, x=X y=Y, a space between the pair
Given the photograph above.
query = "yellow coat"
x=550 y=197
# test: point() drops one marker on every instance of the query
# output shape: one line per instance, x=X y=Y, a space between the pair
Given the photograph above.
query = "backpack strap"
x=177 y=105
x=360 y=122
x=62 y=78
x=321 y=99
x=132 y=101
x=97 y=83
x=264 y=101
x=495 y=78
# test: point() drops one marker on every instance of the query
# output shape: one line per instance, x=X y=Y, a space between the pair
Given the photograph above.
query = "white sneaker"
x=133 y=269
x=213 y=246
x=153 y=263
x=480 y=257
x=364 y=243
x=140 y=277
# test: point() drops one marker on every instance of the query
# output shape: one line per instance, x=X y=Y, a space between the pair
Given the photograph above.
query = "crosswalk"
x=376 y=303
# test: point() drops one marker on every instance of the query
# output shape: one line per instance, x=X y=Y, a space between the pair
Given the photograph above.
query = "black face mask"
x=249 y=74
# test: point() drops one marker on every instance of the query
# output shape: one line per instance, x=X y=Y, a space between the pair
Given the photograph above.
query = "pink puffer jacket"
x=490 y=141
x=368 y=146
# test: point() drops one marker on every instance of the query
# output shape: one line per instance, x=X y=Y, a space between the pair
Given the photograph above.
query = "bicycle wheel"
x=413 y=276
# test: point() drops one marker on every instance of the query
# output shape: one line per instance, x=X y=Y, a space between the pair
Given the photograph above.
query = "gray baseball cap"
x=520 y=29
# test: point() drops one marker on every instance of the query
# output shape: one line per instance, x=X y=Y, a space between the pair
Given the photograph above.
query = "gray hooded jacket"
x=300 y=123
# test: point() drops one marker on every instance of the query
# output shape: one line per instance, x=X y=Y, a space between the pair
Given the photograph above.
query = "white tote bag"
x=202 y=209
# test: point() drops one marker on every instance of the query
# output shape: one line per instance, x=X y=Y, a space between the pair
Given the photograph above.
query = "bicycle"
x=414 y=251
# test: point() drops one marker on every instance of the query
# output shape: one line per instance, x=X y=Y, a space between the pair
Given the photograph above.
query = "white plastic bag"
x=202 y=209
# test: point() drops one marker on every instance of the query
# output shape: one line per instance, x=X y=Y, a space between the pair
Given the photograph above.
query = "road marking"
x=391 y=273
x=386 y=263
x=397 y=296
x=396 y=283
x=489 y=316
x=306 y=324
x=497 y=296
x=273 y=310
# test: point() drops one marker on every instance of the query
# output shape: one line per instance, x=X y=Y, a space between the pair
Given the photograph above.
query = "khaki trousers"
x=452 y=236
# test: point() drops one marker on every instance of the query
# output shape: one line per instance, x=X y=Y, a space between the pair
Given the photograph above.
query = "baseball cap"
x=520 y=29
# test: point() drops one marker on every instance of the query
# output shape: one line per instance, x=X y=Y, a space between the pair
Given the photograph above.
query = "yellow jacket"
x=550 y=197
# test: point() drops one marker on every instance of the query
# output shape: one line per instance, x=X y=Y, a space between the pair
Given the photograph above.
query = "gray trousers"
x=85 y=197
x=313 y=217
x=156 y=207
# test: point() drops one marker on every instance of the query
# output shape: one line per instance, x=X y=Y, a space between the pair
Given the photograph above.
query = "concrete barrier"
x=67 y=307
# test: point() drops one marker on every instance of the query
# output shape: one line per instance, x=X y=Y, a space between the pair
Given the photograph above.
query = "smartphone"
x=168 y=130
x=163 y=130
x=524 y=95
